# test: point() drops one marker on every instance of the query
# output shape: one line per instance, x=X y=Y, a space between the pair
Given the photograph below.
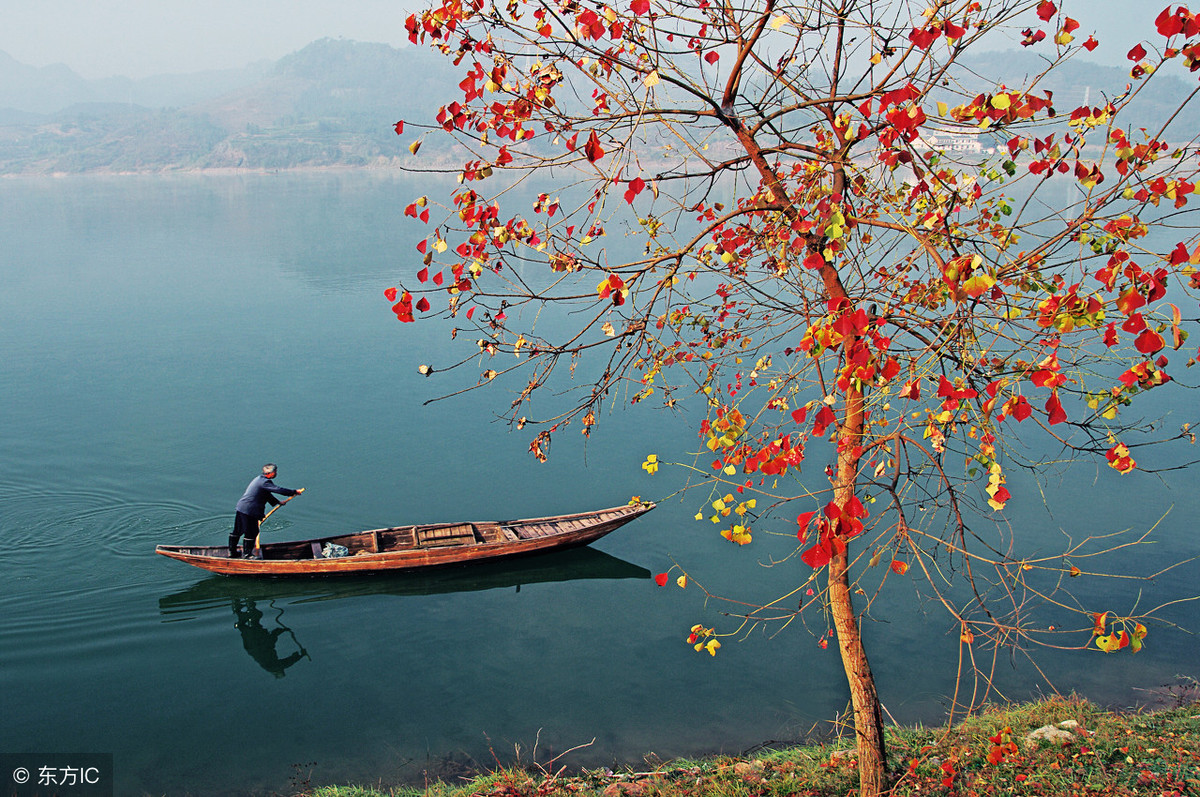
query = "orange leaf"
x=899 y=567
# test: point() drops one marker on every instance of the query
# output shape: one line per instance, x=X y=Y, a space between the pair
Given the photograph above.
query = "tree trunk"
x=868 y=715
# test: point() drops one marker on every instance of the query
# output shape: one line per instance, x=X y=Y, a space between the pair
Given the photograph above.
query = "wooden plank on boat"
x=531 y=531
x=462 y=534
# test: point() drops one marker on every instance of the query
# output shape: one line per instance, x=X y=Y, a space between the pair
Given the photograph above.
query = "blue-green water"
x=161 y=338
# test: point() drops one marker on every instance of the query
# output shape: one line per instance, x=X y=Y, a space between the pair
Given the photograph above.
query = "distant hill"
x=49 y=89
x=331 y=104
x=1078 y=82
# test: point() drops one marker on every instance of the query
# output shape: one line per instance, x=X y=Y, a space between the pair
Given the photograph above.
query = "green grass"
x=1110 y=753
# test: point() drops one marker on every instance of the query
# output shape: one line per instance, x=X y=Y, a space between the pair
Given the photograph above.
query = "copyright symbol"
x=21 y=775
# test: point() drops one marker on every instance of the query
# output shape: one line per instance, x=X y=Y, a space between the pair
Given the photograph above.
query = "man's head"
x=269 y=470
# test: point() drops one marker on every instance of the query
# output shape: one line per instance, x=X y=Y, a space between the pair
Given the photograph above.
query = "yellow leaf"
x=651 y=79
x=977 y=285
x=681 y=581
x=943 y=109
x=1001 y=102
x=413 y=147
x=712 y=646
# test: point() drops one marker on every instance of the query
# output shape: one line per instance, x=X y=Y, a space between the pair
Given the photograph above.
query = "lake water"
x=161 y=338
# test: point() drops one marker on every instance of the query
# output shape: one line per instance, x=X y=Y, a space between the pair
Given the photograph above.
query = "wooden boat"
x=214 y=593
x=414 y=547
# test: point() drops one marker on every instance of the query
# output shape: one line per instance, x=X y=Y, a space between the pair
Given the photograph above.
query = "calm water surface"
x=161 y=338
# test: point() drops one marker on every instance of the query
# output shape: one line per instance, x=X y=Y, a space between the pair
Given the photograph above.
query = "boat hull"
x=401 y=548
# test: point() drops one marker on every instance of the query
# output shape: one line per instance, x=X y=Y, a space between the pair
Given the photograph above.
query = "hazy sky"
x=137 y=38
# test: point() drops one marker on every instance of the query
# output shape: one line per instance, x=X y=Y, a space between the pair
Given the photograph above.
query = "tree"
x=917 y=266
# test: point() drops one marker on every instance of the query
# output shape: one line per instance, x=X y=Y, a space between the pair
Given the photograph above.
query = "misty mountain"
x=45 y=90
x=332 y=103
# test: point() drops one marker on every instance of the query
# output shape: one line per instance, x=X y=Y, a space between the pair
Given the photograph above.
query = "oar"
x=258 y=536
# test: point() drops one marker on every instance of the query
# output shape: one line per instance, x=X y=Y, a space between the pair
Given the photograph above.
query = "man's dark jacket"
x=258 y=494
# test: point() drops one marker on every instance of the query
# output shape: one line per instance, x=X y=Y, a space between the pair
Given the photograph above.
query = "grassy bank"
x=1080 y=749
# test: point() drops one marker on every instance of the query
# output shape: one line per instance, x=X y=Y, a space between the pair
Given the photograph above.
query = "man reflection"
x=259 y=642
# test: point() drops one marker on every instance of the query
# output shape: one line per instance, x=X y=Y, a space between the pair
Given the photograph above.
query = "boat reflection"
x=215 y=592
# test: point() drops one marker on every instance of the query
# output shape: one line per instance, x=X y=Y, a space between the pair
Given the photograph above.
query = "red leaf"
x=399 y=127
x=799 y=415
x=636 y=186
x=592 y=149
x=899 y=567
x=817 y=556
x=421 y=247
x=1135 y=323
x=1045 y=10
x=470 y=312
x=1032 y=37
x=1091 y=44
x=922 y=38
x=1022 y=409
x=1110 y=335
x=822 y=421
x=1137 y=53
x=425 y=215
x=1054 y=409
x=814 y=260
x=423 y=304
x=403 y=308
x=640 y=7
x=1149 y=342
x=438 y=278
x=390 y=294
x=423 y=275
x=712 y=57
x=661 y=579
x=1169 y=24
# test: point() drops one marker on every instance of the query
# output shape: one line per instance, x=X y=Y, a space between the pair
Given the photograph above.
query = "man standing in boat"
x=252 y=507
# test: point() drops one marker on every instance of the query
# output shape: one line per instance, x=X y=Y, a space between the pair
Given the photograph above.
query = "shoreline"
x=1049 y=747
